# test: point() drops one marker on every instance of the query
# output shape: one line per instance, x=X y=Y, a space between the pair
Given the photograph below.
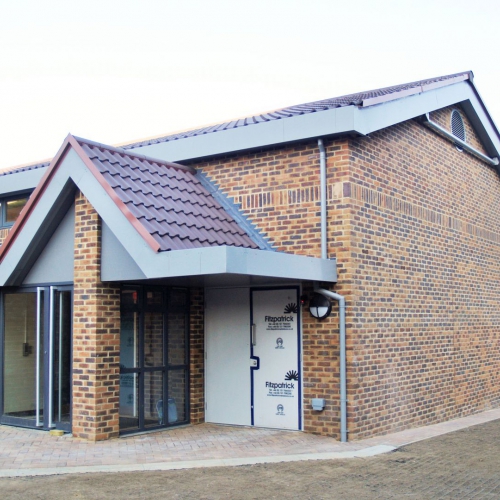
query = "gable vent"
x=457 y=126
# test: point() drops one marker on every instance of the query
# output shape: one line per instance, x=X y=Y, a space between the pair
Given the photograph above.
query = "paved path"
x=26 y=452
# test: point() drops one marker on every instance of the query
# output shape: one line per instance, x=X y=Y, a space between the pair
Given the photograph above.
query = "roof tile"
x=117 y=158
x=311 y=107
x=167 y=200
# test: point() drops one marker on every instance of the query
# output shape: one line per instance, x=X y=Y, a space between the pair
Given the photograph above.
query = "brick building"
x=172 y=281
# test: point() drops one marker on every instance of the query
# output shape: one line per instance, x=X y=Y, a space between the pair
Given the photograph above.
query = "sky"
x=120 y=71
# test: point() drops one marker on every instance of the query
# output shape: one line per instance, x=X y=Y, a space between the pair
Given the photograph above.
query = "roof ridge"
x=394 y=89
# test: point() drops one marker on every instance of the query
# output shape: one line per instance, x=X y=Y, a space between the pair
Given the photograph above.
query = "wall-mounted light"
x=320 y=306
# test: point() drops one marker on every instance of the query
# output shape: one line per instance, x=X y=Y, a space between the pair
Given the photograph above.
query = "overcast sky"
x=118 y=71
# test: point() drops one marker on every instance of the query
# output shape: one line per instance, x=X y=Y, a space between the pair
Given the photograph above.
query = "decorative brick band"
x=279 y=198
x=397 y=205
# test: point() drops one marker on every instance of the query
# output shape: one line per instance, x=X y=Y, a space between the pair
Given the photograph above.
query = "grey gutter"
x=455 y=140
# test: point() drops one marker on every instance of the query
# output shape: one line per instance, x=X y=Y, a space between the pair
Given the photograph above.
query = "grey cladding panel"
x=55 y=262
x=116 y=262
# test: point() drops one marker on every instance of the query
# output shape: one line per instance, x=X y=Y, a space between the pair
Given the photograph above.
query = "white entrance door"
x=276 y=384
x=227 y=350
x=252 y=364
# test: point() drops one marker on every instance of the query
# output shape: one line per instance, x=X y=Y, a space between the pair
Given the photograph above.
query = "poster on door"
x=276 y=383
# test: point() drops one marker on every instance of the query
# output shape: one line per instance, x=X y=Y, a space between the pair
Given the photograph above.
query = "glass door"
x=22 y=368
x=153 y=358
x=36 y=388
x=60 y=359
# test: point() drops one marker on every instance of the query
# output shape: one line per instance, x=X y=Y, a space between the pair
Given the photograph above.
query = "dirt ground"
x=460 y=465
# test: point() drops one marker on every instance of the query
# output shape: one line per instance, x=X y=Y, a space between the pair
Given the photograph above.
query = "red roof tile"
x=167 y=199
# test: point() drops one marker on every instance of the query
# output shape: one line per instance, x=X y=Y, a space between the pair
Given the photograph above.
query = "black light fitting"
x=320 y=306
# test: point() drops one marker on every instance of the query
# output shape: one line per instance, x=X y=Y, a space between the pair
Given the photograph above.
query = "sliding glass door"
x=36 y=327
x=23 y=366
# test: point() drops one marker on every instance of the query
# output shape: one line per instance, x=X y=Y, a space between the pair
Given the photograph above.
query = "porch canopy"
x=160 y=222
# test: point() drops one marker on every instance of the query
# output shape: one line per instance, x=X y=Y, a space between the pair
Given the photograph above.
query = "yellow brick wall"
x=196 y=357
x=425 y=251
x=96 y=334
x=415 y=227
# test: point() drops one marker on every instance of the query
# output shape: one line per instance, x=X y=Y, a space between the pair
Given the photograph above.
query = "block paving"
x=33 y=452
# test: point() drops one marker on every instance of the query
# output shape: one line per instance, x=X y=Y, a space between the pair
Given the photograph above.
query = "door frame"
x=47 y=354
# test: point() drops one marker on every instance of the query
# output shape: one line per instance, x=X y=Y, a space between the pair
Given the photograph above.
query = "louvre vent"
x=457 y=125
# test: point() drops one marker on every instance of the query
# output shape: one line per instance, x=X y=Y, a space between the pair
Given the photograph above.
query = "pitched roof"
x=167 y=199
x=361 y=99
x=164 y=201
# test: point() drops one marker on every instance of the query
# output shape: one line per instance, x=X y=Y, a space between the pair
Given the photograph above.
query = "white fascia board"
x=115 y=259
x=483 y=124
x=20 y=181
x=73 y=168
x=384 y=115
x=120 y=226
x=280 y=265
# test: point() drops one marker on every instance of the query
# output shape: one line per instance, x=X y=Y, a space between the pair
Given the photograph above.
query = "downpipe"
x=322 y=175
x=343 y=378
x=332 y=295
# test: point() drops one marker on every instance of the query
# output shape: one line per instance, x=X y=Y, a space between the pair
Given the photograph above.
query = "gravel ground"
x=460 y=465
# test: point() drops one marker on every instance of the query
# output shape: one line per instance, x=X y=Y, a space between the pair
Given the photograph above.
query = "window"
x=10 y=208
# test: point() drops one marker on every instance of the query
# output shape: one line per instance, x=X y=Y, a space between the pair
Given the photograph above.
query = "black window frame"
x=141 y=307
x=3 y=203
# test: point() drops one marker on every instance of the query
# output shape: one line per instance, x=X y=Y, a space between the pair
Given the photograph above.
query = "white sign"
x=276 y=383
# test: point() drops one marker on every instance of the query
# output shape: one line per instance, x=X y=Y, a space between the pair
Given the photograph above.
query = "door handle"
x=254 y=334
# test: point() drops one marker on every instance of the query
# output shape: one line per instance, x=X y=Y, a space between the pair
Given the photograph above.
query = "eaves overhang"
x=369 y=117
